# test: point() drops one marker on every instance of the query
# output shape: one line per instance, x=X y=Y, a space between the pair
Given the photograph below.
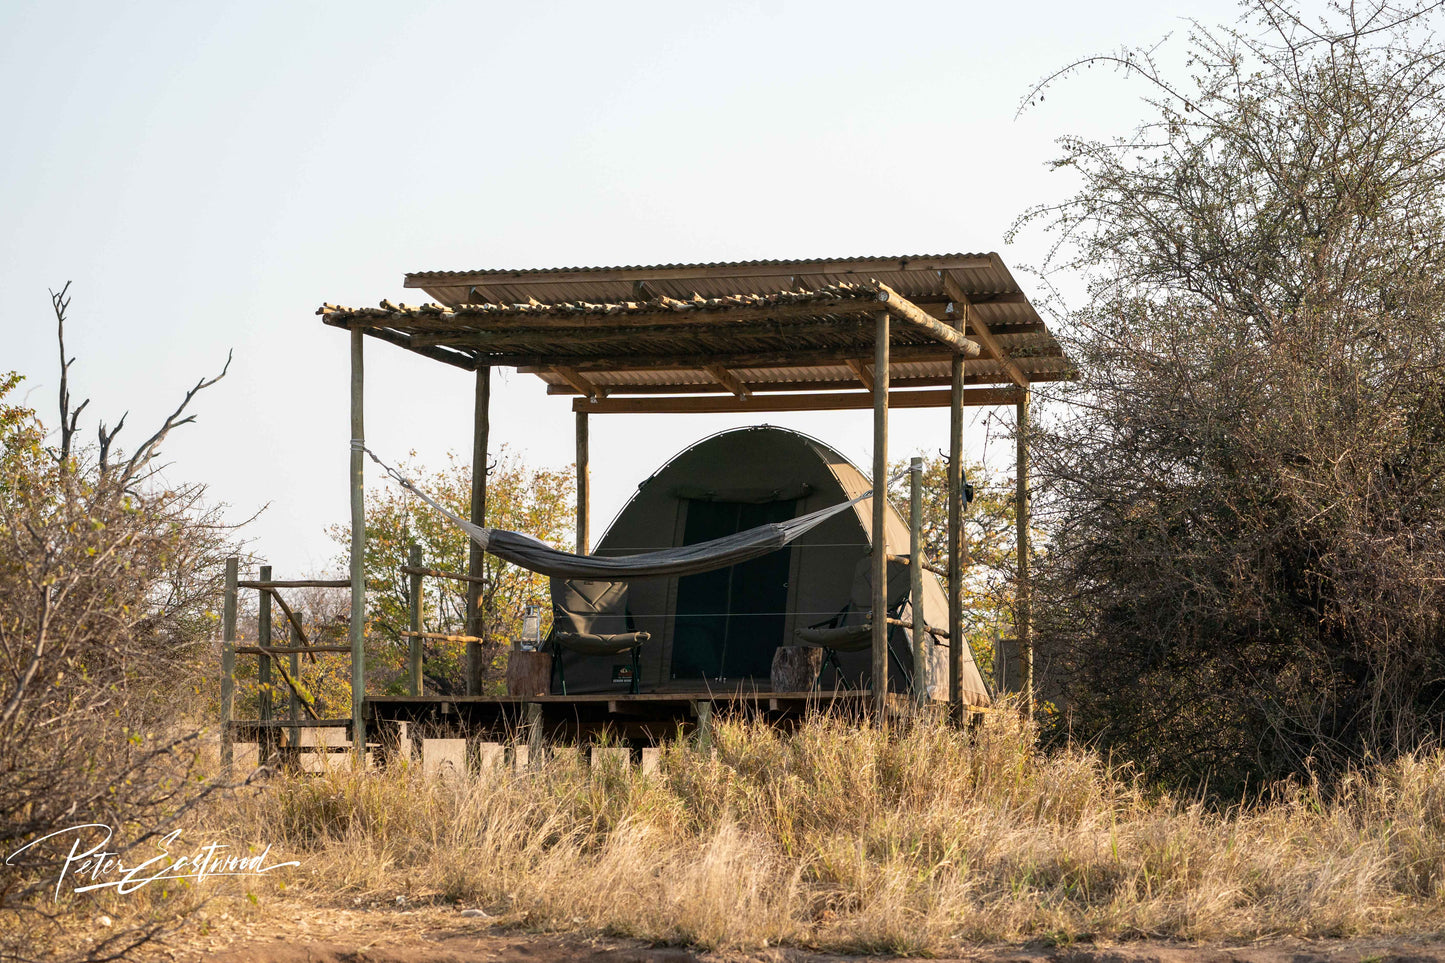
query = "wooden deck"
x=638 y=720
x=641 y=719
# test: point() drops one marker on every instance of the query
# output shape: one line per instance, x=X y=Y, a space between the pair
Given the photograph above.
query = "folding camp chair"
x=591 y=618
x=850 y=630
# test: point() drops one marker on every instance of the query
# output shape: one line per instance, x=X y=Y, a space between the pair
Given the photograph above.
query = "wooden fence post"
x=228 y=659
x=534 y=736
x=295 y=734
x=703 y=708
x=263 y=661
x=414 y=653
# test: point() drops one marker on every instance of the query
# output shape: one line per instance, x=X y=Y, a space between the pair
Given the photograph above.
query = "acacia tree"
x=537 y=501
x=1247 y=494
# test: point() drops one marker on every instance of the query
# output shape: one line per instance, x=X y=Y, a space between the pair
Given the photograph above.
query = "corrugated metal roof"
x=420 y=278
x=618 y=327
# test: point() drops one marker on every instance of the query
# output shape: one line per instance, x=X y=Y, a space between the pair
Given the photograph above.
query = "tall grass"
x=847 y=839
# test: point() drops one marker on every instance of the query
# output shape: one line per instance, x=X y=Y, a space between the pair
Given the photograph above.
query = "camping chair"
x=850 y=630
x=591 y=618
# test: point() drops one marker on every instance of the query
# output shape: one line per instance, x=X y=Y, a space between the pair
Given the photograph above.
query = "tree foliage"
x=537 y=501
x=1246 y=494
x=109 y=580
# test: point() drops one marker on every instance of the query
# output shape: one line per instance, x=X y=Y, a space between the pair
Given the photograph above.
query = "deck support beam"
x=879 y=679
x=476 y=558
x=1024 y=603
x=358 y=554
x=584 y=487
x=957 y=544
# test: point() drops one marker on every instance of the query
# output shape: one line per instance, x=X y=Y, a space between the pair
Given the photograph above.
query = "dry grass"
x=841 y=838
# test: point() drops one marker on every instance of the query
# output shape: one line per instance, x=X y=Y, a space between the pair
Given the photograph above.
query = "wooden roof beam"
x=499 y=338
x=449 y=356
x=982 y=332
x=453 y=324
x=865 y=377
x=828 y=401
x=813 y=384
x=574 y=378
x=729 y=381
x=533 y=362
x=911 y=314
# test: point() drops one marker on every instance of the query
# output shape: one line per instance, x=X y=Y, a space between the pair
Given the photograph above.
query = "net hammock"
x=537 y=556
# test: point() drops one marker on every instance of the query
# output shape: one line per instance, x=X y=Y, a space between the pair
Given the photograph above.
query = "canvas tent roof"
x=757 y=466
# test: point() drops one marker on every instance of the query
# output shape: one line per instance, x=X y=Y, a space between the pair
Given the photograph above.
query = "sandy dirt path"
x=446 y=936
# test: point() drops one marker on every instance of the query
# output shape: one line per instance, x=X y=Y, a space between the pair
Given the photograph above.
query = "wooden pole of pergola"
x=880 y=518
x=957 y=546
x=476 y=557
x=358 y=555
x=1025 y=594
x=584 y=485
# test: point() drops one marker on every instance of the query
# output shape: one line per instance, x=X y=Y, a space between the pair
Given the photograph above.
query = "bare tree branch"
x=149 y=449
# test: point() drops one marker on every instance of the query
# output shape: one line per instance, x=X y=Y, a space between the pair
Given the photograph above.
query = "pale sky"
x=207 y=174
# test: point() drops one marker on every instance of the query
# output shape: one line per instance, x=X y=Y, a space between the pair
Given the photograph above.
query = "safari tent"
x=877 y=333
x=719 y=629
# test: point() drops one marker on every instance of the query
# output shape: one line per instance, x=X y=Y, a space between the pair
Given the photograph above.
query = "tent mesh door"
x=729 y=622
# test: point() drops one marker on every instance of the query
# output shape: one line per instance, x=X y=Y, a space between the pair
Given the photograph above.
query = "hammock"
x=537 y=556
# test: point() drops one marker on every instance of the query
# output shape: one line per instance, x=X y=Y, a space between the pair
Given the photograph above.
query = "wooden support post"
x=915 y=582
x=228 y=659
x=703 y=710
x=358 y=556
x=584 y=487
x=476 y=558
x=1025 y=595
x=263 y=662
x=296 y=640
x=957 y=540
x=534 y=735
x=880 y=518
x=414 y=592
